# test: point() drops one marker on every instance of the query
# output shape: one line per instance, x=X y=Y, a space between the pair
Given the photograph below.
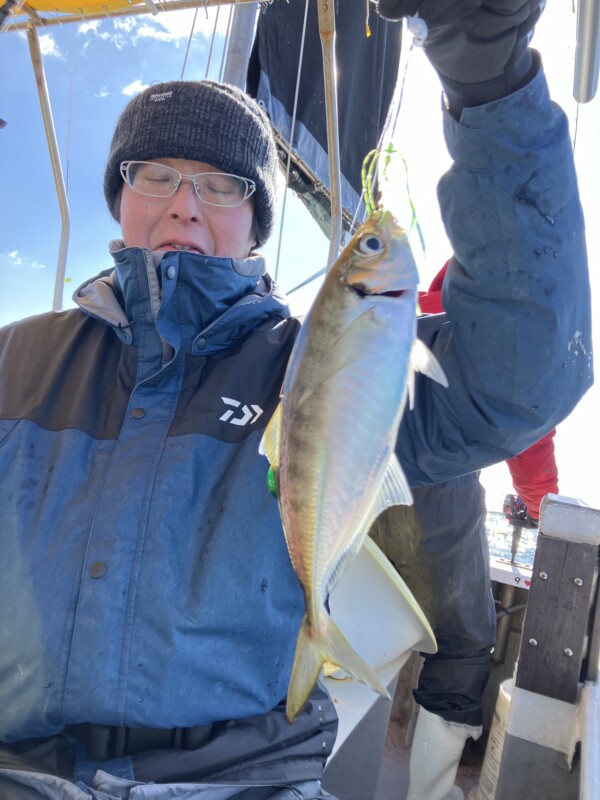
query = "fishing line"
x=576 y=127
x=414 y=222
x=396 y=105
x=293 y=125
x=189 y=43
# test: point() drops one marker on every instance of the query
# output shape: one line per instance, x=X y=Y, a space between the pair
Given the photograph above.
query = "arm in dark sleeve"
x=516 y=292
x=534 y=473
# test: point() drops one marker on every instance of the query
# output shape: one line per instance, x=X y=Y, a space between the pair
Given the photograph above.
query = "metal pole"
x=587 y=52
x=240 y=44
x=507 y=598
x=38 y=68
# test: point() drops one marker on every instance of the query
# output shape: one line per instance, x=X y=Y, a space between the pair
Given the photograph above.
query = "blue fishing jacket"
x=145 y=579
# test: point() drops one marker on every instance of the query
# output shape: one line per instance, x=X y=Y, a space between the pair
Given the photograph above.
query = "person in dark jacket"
x=150 y=610
x=439 y=546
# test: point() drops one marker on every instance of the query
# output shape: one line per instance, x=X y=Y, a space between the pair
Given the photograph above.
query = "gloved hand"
x=479 y=48
x=516 y=513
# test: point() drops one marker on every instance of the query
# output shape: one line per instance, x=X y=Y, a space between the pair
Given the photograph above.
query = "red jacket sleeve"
x=430 y=302
x=534 y=473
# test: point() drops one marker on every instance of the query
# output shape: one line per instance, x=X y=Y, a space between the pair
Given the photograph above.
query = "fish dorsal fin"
x=394 y=490
x=423 y=360
x=270 y=442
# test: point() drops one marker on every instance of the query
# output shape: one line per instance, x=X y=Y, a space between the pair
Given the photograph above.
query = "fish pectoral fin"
x=271 y=440
x=423 y=360
x=314 y=649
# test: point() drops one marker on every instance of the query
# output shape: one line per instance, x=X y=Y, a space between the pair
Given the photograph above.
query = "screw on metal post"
x=568 y=652
x=533 y=642
x=578 y=581
x=543 y=576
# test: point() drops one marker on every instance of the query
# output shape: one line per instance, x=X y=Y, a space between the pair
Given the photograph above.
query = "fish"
x=331 y=439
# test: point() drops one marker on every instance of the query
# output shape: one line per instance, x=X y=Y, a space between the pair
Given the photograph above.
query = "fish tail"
x=315 y=646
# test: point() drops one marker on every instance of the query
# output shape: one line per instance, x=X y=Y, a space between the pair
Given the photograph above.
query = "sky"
x=94 y=68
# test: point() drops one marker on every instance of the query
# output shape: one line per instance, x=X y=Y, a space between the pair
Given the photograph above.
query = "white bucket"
x=376 y=611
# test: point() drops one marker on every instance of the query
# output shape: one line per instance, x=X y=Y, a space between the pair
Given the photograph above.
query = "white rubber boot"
x=436 y=750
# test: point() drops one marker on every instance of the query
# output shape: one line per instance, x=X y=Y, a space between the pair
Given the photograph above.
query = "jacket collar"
x=211 y=301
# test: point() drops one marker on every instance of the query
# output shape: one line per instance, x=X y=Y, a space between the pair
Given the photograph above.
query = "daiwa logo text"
x=248 y=414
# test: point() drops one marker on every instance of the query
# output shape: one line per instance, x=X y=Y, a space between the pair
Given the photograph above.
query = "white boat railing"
x=545 y=737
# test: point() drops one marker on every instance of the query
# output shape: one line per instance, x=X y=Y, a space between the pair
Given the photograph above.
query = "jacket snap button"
x=171 y=272
x=138 y=413
x=98 y=569
x=201 y=343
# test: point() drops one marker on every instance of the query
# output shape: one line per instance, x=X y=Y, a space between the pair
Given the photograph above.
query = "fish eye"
x=370 y=245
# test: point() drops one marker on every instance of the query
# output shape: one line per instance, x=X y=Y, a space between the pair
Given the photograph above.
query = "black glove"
x=517 y=514
x=479 y=49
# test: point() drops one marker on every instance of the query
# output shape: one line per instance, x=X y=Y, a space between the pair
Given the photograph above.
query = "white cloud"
x=125 y=23
x=179 y=24
x=146 y=31
x=49 y=47
x=14 y=259
x=92 y=26
x=173 y=27
x=134 y=88
x=102 y=93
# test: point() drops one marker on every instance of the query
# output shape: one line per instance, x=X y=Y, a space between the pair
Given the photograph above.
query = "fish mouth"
x=362 y=292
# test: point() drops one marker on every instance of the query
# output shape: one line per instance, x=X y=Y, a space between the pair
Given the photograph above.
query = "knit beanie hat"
x=198 y=121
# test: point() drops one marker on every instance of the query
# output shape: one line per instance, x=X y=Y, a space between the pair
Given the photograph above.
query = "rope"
x=289 y=158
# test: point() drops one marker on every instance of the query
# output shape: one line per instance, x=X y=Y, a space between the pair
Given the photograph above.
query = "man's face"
x=183 y=221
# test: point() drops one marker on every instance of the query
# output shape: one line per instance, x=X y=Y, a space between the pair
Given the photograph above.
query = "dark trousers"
x=439 y=547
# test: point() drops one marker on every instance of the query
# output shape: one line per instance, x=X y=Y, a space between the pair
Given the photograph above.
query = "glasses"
x=212 y=188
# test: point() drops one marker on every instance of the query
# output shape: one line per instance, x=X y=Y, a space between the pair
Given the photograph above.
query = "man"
x=439 y=546
x=150 y=610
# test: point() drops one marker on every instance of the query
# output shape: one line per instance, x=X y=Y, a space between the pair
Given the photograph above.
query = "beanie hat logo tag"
x=159 y=96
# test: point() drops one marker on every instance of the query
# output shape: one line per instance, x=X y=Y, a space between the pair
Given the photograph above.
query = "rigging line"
x=226 y=44
x=576 y=127
x=189 y=43
x=308 y=280
x=212 y=41
x=69 y=131
x=293 y=125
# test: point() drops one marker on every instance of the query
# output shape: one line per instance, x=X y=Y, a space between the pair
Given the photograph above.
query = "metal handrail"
x=587 y=51
x=40 y=77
